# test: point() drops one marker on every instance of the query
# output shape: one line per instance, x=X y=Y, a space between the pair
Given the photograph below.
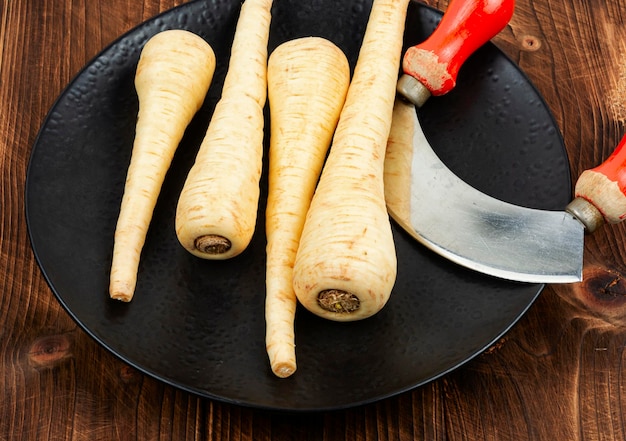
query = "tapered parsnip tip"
x=121 y=293
x=284 y=369
x=122 y=297
x=122 y=282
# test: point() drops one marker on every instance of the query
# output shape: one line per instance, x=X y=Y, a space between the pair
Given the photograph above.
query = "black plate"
x=199 y=325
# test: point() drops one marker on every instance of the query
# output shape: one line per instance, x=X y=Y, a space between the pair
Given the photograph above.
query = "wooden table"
x=557 y=375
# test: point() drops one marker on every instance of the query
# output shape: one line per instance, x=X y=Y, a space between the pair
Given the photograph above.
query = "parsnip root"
x=347 y=248
x=217 y=208
x=307 y=83
x=173 y=76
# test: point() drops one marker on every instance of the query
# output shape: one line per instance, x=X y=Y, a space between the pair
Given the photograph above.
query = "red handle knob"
x=466 y=25
x=605 y=185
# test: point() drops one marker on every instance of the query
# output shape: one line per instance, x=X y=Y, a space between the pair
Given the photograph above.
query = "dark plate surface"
x=199 y=325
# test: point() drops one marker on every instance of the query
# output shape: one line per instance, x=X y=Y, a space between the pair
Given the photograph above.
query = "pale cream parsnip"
x=346 y=263
x=308 y=80
x=173 y=76
x=217 y=208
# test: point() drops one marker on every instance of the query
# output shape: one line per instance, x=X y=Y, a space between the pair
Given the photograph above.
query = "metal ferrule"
x=412 y=90
x=586 y=213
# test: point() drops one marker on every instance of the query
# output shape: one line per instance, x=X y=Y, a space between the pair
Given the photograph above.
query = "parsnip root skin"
x=221 y=193
x=307 y=83
x=173 y=75
x=398 y=159
x=345 y=267
x=217 y=208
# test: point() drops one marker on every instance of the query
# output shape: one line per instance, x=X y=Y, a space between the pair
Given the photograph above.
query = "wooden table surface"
x=557 y=375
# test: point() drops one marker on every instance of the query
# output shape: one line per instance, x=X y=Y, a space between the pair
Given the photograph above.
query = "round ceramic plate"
x=199 y=325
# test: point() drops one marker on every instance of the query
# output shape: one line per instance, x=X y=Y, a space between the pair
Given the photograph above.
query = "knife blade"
x=469 y=227
x=454 y=219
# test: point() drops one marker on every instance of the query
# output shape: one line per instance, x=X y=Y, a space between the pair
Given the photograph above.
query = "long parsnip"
x=217 y=208
x=173 y=75
x=307 y=83
x=346 y=263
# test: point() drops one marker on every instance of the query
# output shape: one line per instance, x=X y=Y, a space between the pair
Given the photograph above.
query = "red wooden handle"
x=605 y=185
x=466 y=25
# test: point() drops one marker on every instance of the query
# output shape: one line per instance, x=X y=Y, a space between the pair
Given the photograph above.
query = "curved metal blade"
x=486 y=234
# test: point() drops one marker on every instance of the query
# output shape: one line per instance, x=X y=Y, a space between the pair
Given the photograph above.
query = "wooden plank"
x=558 y=374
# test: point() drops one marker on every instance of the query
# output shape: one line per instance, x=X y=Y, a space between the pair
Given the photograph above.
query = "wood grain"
x=557 y=375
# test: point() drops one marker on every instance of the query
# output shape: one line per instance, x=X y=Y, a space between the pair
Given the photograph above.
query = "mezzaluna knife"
x=461 y=223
